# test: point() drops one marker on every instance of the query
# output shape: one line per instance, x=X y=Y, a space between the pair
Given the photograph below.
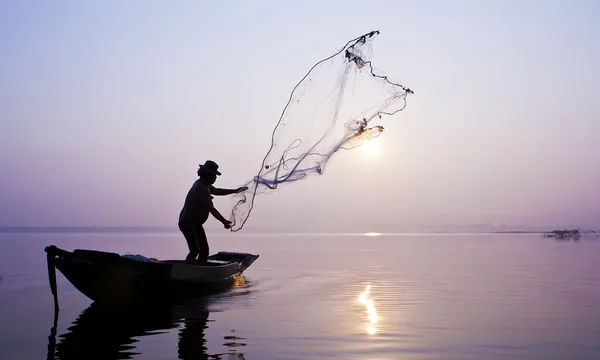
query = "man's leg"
x=202 y=244
x=190 y=237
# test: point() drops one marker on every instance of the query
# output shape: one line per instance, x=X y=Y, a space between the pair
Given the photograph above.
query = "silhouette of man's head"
x=209 y=172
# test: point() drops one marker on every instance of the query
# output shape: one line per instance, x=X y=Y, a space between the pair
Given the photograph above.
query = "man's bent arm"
x=218 y=215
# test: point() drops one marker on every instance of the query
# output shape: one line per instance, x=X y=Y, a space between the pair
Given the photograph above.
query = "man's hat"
x=210 y=167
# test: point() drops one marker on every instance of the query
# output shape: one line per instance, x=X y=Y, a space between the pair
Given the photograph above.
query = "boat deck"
x=210 y=262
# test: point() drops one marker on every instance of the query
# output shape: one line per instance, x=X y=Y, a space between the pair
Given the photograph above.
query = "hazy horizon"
x=215 y=231
x=106 y=110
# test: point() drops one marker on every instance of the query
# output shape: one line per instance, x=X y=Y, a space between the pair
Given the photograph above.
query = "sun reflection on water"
x=370 y=308
x=372 y=234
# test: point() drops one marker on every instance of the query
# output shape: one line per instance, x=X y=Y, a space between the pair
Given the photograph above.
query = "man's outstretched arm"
x=222 y=192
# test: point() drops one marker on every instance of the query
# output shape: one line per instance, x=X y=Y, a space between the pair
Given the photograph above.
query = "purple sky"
x=106 y=110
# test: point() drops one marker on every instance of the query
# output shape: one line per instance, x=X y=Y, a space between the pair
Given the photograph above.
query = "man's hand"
x=241 y=189
x=227 y=224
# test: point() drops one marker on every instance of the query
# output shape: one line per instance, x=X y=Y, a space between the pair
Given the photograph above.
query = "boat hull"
x=109 y=278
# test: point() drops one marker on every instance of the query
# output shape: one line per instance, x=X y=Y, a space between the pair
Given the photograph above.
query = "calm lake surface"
x=459 y=296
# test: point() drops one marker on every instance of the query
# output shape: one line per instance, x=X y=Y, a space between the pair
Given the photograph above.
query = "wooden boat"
x=112 y=278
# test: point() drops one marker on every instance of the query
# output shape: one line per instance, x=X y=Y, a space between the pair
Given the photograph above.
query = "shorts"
x=195 y=236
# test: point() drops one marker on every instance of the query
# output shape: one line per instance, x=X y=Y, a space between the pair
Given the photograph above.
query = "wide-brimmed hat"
x=210 y=167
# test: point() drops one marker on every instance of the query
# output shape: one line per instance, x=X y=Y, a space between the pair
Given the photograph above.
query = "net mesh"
x=332 y=108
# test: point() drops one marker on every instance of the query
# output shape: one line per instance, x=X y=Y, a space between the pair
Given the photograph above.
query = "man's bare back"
x=197 y=205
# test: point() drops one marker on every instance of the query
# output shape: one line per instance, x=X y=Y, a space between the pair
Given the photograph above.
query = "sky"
x=107 y=108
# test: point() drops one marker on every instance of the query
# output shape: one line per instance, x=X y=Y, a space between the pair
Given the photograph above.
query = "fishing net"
x=331 y=109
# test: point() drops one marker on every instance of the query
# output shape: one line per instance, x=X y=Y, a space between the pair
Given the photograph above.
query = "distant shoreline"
x=174 y=229
x=86 y=229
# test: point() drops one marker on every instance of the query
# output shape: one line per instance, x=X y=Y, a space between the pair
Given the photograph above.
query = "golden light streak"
x=239 y=282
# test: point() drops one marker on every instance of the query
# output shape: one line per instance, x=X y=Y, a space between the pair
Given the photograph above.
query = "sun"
x=371 y=148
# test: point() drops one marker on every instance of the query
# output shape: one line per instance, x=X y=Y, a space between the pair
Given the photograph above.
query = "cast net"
x=332 y=108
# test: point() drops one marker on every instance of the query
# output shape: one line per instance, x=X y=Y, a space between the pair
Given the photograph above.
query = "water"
x=330 y=296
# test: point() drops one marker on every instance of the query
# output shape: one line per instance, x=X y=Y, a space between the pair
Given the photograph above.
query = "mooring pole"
x=51 y=254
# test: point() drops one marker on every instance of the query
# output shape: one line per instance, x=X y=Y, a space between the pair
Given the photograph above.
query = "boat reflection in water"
x=109 y=332
x=370 y=309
